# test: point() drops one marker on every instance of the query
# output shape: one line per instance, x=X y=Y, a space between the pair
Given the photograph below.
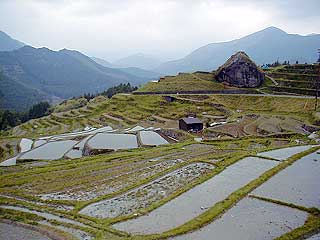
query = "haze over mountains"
x=265 y=46
x=8 y=44
x=29 y=75
x=139 y=60
x=43 y=74
x=134 y=67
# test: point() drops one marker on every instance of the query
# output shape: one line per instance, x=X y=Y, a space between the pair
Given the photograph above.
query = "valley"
x=212 y=151
x=132 y=194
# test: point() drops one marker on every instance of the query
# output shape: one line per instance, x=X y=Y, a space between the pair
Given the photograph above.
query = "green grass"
x=184 y=82
x=311 y=226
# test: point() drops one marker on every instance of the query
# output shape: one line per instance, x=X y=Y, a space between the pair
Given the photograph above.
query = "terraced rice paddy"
x=115 y=180
x=10 y=232
x=43 y=214
x=49 y=151
x=165 y=191
x=284 y=153
x=194 y=202
x=297 y=184
x=149 y=138
x=250 y=219
x=145 y=195
x=314 y=237
x=25 y=145
x=109 y=141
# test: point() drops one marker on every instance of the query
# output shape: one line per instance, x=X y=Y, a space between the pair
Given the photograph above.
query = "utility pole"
x=317 y=82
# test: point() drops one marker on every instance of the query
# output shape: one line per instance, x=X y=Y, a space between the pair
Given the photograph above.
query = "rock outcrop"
x=240 y=71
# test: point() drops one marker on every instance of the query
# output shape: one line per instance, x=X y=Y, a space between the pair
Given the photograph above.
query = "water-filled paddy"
x=11 y=232
x=314 y=237
x=48 y=216
x=150 y=138
x=250 y=219
x=25 y=144
x=9 y=162
x=197 y=200
x=284 y=153
x=49 y=151
x=298 y=184
x=110 y=141
x=38 y=143
x=77 y=150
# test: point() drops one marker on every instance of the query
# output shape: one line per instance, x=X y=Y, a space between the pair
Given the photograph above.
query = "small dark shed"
x=190 y=124
x=169 y=98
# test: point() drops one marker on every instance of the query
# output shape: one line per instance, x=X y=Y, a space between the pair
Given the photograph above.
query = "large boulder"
x=240 y=71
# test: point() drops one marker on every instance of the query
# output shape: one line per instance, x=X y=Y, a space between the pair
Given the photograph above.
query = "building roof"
x=191 y=120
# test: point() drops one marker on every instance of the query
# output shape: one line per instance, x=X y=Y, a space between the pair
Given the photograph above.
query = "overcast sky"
x=170 y=29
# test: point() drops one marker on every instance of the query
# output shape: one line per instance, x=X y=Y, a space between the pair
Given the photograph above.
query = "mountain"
x=18 y=96
x=139 y=72
x=265 y=46
x=138 y=60
x=102 y=62
x=55 y=74
x=7 y=43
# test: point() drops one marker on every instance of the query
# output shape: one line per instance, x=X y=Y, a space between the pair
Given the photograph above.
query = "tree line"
x=121 y=88
x=10 y=119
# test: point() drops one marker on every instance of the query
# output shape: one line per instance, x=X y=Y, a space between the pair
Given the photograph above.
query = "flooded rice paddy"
x=39 y=142
x=314 y=237
x=147 y=194
x=297 y=184
x=25 y=145
x=49 y=151
x=90 y=141
x=284 y=153
x=150 y=138
x=11 y=232
x=250 y=219
x=9 y=162
x=109 y=141
x=197 y=200
x=78 y=234
x=48 y=216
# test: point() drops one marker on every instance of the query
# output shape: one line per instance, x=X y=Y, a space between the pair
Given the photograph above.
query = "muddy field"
x=142 y=197
x=114 y=179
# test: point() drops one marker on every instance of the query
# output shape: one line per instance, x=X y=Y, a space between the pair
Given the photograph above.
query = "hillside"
x=62 y=74
x=8 y=44
x=294 y=79
x=263 y=47
x=94 y=196
x=18 y=96
x=197 y=81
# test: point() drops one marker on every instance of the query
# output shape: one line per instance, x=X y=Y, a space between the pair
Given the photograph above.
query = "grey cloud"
x=170 y=28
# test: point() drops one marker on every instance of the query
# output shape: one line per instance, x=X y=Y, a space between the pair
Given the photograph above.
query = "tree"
x=121 y=88
x=38 y=110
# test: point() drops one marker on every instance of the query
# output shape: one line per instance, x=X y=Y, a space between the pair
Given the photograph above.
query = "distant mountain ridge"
x=8 y=44
x=102 y=62
x=55 y=74
x=138 y=60
x=265 y=46
x=138 y=72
